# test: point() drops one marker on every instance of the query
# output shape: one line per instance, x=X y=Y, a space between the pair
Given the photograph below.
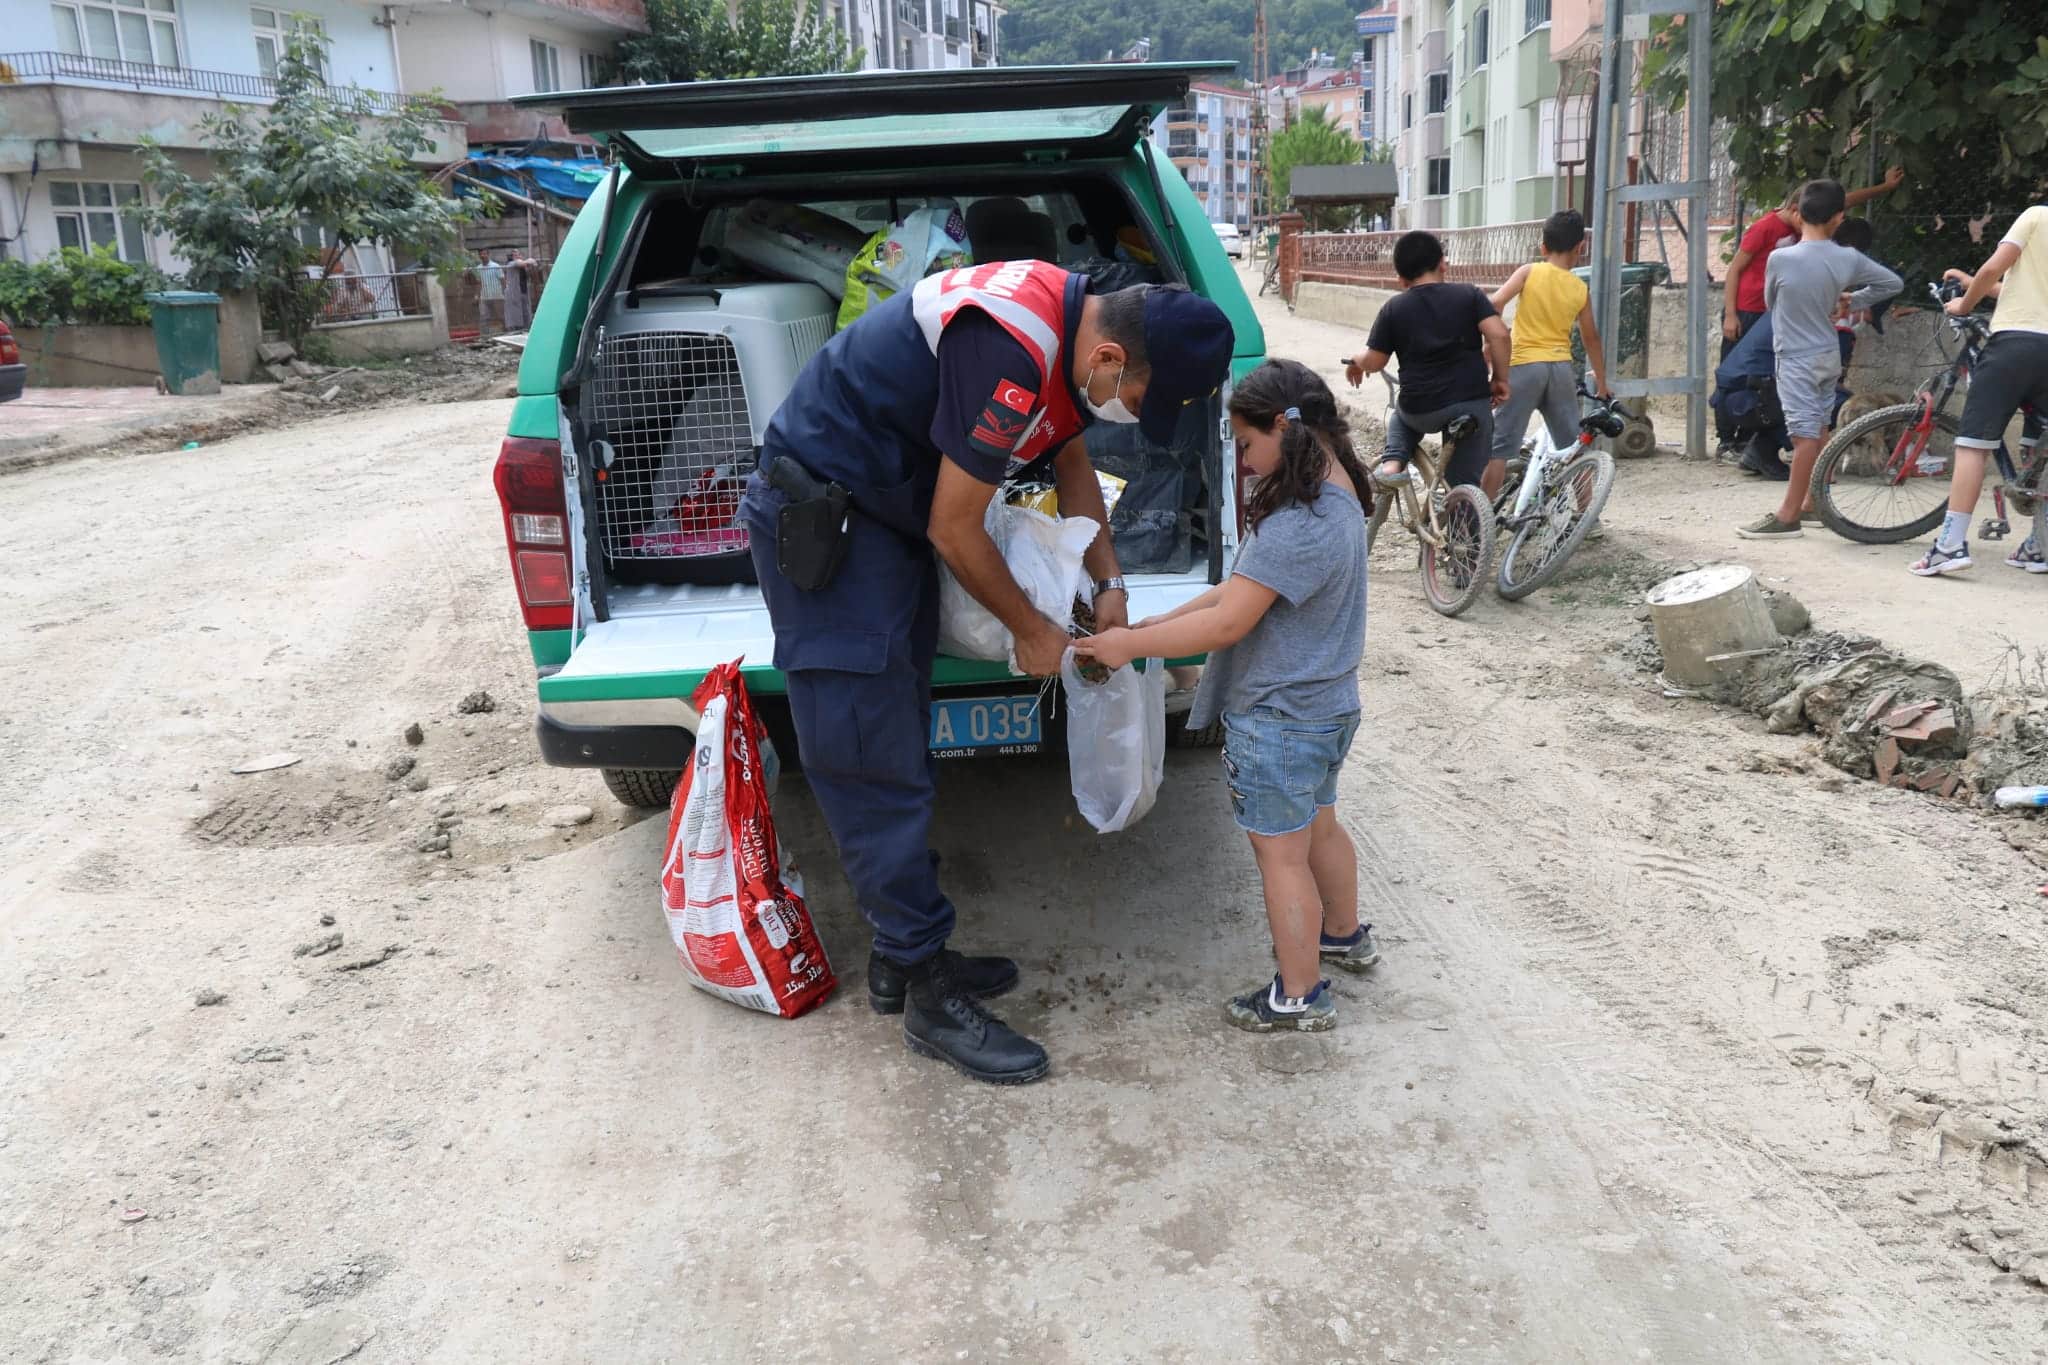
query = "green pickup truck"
x=697 y=281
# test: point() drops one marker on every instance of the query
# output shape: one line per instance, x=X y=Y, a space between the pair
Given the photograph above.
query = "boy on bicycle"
x=1540 y=375
x=2012 y=372
x=1804 y=287
x=1449 y=338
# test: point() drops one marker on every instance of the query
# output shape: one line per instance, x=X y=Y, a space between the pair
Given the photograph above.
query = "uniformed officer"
x=891 y=444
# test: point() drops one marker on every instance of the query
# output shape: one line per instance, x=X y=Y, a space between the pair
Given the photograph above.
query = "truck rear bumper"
x=613 y=746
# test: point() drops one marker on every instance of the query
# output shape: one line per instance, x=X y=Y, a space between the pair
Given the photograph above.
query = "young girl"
x=1284 y=634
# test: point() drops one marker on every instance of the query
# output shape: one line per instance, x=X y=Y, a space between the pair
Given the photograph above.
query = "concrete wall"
x=390 y=338
x=97 y=357
x=475 y=56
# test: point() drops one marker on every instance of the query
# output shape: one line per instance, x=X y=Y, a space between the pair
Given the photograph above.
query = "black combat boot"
x=985 y=977
x=943 y=1019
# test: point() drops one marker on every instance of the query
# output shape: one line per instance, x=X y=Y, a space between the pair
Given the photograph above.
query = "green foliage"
x=320 y=158
x=1313 y=141
x=95 y=288
x=1055 y=31
x=696 y=40
x=1955 y=91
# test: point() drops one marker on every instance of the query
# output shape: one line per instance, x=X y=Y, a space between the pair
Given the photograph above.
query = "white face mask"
x=1114 y=410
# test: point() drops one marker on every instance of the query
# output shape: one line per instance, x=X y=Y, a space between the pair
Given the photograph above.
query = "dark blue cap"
x=1187 y=344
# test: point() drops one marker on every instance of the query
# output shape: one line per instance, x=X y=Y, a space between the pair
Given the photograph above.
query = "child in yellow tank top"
x=1540 y=376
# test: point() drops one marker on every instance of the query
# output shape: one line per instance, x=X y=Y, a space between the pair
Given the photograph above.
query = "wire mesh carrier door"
x=686 y=382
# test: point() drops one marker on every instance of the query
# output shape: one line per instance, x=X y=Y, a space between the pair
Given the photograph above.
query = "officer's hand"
x=1112 y=609
x=1111 y=648
x=1039 y=651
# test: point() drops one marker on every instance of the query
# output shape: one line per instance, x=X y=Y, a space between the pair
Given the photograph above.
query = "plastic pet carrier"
x=688 y=375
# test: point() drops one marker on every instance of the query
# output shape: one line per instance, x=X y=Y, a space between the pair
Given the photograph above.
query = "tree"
x=696 y=40
x=1313 y=141
x=1054 y=31
x=322 y=162
x=1955 y=91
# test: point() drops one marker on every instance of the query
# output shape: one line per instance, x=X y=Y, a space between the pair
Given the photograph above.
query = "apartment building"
x=1208 y=136
x=1377 y=36
x=480 y=54
x=919 y=35
x=88 y=79
x=1477 y=141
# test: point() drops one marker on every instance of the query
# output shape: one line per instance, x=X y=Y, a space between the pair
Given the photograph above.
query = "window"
x=144 y=31
x=1439 y=175
x=1475 y=54
x=1408 y=109
x=547 y=66
x=597 y=70
x=94 y=213
x=274 y=26
x=1535 y=14
x=1438 y=93
x=1545 y=160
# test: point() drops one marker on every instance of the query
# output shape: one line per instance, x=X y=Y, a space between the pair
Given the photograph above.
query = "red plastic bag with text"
x=734 y=902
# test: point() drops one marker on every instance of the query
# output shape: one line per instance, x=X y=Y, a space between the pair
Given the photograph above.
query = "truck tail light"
x=528 y=478
x=10 y=353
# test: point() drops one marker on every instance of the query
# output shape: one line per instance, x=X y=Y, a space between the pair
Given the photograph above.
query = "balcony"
x=51 y=103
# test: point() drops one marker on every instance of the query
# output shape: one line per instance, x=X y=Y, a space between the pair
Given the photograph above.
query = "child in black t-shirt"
x=1453 y=349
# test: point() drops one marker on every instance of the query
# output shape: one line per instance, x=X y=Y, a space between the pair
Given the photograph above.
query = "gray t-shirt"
x=1301 y=659
x=1802 y=284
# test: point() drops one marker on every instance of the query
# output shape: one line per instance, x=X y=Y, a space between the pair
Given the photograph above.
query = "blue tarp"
x=574 y=178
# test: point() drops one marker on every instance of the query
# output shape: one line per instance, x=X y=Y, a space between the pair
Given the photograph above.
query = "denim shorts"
x=1281 y=770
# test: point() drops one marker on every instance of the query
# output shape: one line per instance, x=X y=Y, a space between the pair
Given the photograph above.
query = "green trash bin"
x=187 y=327
x=1628 y=355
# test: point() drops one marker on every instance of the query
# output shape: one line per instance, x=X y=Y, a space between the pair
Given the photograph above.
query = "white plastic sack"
x=795 y=242
x=1116 y=742
x=1044 y=556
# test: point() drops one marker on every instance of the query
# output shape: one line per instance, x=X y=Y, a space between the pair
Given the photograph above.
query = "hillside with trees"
x=1054 y=31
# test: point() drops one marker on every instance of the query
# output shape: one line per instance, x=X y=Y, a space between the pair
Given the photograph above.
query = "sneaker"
x=1265 y=1010
x=1768 y=527
x=1938 y=561
x=2027 y=557
x=1352 y=954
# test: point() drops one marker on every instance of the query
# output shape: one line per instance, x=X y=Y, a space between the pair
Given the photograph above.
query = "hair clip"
x=1292 y=414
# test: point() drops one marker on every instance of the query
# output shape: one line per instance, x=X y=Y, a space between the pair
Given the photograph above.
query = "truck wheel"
x=1178 y=736
x=646 y=788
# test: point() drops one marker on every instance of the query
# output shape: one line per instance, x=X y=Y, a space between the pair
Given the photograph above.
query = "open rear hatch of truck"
x=653 y=620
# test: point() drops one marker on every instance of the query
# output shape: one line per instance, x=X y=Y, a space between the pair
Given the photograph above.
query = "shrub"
x=94 y=288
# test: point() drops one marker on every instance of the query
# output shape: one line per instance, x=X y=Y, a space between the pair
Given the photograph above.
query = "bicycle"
x=1453 y=526
x=1901 y=456
x=1553 y=496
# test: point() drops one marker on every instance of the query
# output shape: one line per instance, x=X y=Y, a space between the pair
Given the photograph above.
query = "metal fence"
x=374 y=298
x=1478 y=255
x=34 y=68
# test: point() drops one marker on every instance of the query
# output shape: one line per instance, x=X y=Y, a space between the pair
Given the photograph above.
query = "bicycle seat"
x=1461 y=426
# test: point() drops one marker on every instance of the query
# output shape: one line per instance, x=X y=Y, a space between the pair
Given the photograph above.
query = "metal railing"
x=374 y=298
x=25 y=68
x=1479 y=255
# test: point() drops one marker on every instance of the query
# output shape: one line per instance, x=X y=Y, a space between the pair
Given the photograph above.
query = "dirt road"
x=1683 y=1048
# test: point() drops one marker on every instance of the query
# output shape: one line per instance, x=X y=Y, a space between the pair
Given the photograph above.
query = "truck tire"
x=645 y=788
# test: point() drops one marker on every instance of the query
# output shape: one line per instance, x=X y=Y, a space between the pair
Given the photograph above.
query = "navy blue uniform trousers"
x=858 y=655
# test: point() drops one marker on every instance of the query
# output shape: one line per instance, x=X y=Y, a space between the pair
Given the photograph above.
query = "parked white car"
x=1232 y=239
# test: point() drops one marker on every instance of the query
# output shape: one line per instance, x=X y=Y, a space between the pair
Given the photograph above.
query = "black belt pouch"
x=810 y=528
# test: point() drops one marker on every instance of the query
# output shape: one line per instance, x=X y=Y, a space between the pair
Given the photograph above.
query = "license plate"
x=974 y=727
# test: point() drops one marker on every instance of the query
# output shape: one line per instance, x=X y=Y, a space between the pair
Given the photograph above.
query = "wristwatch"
x=1103 y=585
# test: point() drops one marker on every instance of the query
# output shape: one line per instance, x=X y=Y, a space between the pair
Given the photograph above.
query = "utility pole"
x=1262 y=193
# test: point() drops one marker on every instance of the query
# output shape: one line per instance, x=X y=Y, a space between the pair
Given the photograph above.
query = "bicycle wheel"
x=1455 y=573
x=1861 y=493
x=1572 y=499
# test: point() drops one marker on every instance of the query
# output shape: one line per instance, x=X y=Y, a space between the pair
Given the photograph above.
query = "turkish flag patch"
x=1005 y=418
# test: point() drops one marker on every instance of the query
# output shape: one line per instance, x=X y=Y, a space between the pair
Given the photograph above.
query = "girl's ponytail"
x=1316 y=432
